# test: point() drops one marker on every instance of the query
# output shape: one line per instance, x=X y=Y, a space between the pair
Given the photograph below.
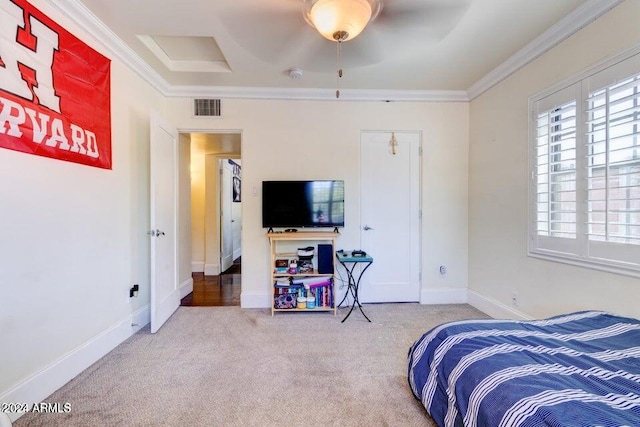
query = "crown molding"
x=586 y=13
x=316 y=94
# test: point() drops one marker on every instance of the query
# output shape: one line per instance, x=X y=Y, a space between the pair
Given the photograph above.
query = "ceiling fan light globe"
x=331 y=16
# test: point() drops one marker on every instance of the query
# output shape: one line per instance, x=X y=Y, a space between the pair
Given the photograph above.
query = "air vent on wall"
x=207 y=107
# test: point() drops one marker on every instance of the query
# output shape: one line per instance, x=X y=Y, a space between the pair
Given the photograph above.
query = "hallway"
x=221 y=290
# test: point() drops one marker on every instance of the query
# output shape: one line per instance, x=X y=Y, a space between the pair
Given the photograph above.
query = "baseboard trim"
x=443 y=296
x=427 y=297
x=197 y=266
x=186 y=287
x=43 y=383
x=255 y=300
x=211 y=269
x=494 y=308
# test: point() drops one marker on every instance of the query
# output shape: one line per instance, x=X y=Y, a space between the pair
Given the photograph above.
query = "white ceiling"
x=414 y=46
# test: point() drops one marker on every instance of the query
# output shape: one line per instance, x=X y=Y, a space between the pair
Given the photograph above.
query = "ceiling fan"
x=288 y=33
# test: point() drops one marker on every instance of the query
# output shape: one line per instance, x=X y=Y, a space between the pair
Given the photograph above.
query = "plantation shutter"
x=554 y=171
x=613 y=164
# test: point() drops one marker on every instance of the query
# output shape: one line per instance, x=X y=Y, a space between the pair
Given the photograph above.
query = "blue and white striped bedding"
x=579 y=369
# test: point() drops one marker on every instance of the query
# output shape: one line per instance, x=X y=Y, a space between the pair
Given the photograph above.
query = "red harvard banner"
x=54 y=90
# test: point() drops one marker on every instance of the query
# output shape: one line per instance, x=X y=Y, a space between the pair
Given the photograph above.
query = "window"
x=585 y=170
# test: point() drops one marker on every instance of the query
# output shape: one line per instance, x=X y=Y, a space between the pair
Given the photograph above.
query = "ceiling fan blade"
x=362 y=51
x=270 y=30
x=430 y=20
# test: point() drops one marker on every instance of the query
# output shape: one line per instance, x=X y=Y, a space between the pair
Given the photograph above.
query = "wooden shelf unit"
x=311 y=238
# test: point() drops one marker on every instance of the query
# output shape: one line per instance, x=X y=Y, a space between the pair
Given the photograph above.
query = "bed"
x=578 y=369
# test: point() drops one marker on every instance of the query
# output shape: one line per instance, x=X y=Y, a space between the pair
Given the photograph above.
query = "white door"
x=226 y=225
x=165 y=294
x=390 y=216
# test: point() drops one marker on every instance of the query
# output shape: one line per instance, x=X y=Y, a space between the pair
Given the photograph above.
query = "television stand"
x=317 y=282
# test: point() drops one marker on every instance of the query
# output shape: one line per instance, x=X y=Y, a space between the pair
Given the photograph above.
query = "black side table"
x=349 y=263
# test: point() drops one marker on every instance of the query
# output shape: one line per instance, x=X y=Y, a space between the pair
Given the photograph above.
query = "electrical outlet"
x=514 y=298
x=133 y=291
x=443 y=270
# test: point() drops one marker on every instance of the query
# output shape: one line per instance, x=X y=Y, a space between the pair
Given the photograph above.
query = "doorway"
x=216 y=218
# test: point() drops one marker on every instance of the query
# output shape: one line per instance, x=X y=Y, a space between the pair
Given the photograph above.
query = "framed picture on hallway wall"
x=237 y=181
x=236 y=189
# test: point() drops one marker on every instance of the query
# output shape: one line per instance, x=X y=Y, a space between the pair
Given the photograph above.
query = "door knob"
x=367 y=228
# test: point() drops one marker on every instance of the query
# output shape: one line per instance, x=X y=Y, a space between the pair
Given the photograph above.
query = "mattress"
x=578 y=369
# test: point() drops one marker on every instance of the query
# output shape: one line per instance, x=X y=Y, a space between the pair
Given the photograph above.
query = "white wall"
x=321 y=139
x=72 y=242
x=198 y=168
x=498 y=262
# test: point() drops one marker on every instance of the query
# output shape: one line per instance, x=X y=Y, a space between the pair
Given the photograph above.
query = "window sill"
x=600 y=265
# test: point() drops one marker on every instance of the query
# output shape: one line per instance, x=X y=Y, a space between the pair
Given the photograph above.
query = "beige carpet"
x=226 y=366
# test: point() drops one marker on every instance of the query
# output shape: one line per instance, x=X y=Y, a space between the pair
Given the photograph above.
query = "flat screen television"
x=293 y=204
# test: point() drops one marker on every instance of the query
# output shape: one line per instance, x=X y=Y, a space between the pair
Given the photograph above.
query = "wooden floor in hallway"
x=220 y=290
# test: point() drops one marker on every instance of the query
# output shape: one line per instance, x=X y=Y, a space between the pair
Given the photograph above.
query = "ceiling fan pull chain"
x=339 y=69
